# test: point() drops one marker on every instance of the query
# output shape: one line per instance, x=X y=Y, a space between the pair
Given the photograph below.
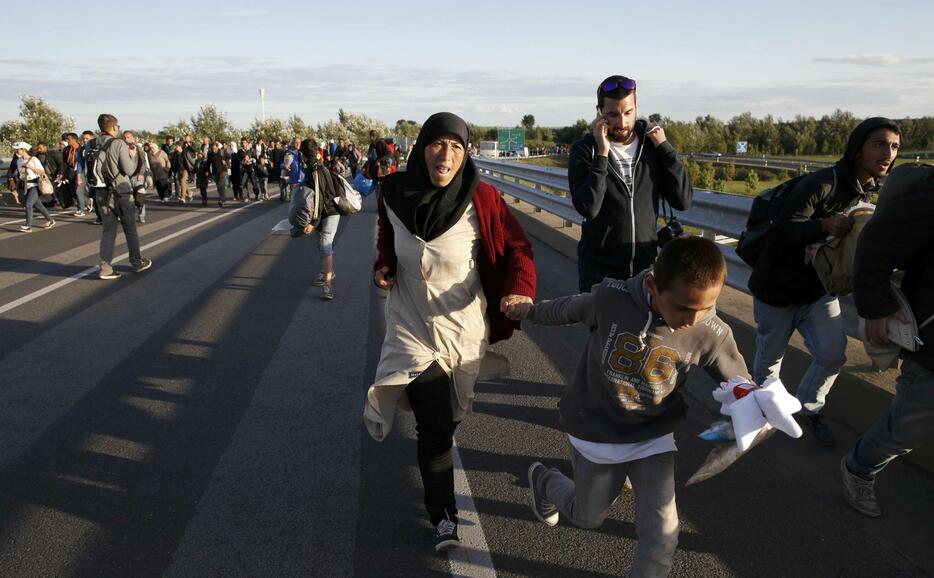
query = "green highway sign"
x=511 y=139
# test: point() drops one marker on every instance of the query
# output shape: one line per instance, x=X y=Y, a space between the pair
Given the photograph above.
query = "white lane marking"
x=70 y=211
x=472 y=559
x=37 y=215
x=91 y=270
x=282 y=225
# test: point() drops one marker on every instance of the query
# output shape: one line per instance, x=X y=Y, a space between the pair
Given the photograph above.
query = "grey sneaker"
x=107 y=272
x=544 y=511
x=859 y=493
x=327 y=293
x=142 y=265
x=319 y=282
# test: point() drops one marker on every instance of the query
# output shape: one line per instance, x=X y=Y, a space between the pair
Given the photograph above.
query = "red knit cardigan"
x=505 y=260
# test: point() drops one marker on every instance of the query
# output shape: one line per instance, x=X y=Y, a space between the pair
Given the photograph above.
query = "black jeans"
x=67 y=193
x=236 y=184
x=125 y=209
x=163 y=188
x=430 y=397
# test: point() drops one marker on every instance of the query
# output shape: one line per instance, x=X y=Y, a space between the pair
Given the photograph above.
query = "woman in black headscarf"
x=453 y=259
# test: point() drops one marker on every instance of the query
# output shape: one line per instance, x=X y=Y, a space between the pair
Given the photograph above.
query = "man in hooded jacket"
x=618 y=174
x=787 y=293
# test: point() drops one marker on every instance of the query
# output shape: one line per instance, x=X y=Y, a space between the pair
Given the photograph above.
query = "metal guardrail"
x=719 y=216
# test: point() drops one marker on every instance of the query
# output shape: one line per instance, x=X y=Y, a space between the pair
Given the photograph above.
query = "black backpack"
x=93 y=153
x=765 y=207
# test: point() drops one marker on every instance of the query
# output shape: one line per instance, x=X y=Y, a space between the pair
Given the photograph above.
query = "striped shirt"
x=625 y=158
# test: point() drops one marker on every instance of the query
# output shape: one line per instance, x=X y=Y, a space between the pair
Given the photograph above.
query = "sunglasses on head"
x=610 y=84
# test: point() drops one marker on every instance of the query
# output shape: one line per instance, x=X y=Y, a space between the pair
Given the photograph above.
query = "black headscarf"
x=426 y=210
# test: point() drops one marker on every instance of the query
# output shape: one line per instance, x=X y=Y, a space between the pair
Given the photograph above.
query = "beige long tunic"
x=435 y=311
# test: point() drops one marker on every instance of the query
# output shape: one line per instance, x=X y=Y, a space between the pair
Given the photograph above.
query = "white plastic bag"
x=756 y=414
x=350 y=201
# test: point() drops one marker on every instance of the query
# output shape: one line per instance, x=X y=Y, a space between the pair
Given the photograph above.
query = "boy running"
x=623 y=405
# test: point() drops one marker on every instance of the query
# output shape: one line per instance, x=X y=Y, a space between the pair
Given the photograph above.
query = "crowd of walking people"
x=242 y=172
x=460 y=276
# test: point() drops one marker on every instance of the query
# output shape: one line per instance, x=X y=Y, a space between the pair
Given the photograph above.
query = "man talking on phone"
x=618 y=175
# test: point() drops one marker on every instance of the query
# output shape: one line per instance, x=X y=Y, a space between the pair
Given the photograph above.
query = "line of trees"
x=41 y=122
x=804 y=135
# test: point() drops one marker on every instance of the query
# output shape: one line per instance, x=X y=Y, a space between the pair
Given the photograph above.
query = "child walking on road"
x=623 y=405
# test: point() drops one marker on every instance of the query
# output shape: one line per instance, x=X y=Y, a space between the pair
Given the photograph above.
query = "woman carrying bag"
x=31 y=175
x=314 y=207
x=453 y=258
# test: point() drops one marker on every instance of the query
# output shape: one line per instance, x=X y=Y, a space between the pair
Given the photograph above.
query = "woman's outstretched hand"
x=516 y=307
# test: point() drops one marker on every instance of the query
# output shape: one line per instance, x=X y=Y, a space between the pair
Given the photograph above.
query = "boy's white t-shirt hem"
x=600 y=453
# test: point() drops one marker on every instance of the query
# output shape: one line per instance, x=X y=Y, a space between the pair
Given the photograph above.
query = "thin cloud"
x=154 y=93
x=243 y=13
x=875 y=60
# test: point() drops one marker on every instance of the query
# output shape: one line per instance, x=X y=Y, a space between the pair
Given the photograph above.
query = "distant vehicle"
x=713 y=154
x=523 y=152
x=489 y=149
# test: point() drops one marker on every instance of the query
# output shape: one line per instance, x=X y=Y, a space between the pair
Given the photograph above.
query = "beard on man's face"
x=620 y=135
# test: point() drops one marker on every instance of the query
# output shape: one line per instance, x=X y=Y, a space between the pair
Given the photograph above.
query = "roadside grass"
x=556 y=161
x=909 y=157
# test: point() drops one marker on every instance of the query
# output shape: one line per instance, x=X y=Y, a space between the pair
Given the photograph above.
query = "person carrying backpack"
x=314 y=207
x=113 y=165
x=787 y=293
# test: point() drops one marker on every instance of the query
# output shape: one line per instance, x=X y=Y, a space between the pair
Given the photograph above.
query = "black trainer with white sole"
x=446 y=537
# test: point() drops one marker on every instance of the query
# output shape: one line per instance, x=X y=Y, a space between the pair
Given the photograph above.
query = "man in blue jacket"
x=292 y=167
x=618 y=174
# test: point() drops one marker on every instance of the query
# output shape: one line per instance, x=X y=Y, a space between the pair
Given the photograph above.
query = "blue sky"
x=152 y=63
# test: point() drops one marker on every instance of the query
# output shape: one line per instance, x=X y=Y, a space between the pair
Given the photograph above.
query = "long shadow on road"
x=114 y=482
x=89 y=290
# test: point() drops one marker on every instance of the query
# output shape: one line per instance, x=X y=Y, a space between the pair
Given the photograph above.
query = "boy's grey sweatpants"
x=585 y=501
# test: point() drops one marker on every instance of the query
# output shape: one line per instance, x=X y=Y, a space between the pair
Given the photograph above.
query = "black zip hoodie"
x=781 y=278
x=619 y=234
x=900 y=235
